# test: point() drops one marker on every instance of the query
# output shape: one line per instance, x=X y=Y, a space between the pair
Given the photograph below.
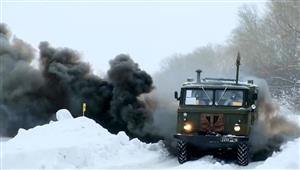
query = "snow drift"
x=77 y=143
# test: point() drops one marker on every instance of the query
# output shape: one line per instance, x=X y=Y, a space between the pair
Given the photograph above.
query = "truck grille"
x=212 y=123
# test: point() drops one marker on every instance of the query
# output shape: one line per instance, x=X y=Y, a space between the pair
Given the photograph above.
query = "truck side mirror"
x=255 y=96
x=176 y=95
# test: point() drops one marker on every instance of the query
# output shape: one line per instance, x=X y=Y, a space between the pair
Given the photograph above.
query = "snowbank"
x=76 y=143
x=82 y=143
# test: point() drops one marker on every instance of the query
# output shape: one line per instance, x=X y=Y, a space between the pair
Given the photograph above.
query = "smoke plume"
x=30 y=96
x=129 y=82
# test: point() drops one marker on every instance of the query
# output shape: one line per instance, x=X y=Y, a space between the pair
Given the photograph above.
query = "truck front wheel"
x=182 y=151
x=243 y=154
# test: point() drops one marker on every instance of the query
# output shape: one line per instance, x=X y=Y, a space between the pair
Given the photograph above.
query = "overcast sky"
x=147 y=31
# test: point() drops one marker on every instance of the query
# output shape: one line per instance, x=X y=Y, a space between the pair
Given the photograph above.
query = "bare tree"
x=271 y=44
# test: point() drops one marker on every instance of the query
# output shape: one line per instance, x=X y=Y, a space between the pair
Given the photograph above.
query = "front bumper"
x=212 y=141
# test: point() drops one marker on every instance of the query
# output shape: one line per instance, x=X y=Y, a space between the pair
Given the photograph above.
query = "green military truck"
x=216 y=114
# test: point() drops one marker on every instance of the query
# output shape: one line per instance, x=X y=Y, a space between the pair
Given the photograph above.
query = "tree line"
x=269 y=43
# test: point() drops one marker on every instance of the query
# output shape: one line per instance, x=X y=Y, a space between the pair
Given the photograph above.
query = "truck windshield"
x=199 y=97
x=229 y=97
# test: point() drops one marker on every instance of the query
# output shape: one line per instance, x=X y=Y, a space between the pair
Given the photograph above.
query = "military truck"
x=216 y=113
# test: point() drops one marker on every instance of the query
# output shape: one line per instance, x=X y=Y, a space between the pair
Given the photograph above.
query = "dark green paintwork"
x=232 y=115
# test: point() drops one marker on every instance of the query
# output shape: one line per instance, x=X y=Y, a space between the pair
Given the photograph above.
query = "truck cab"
x=215 y=114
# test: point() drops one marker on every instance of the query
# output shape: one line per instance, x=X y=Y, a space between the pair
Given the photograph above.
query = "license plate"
x=228 y=139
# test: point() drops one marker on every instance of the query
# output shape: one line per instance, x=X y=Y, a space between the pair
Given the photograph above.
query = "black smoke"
x=129 y=81
x=30 y=96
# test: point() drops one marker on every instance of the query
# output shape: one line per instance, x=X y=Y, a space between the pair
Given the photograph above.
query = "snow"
x=81 y=143
x=4 y=139
x=63 y=114
x=76 y=143
x=289 y=158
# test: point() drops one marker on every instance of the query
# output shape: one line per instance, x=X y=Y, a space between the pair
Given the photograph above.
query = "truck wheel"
x=182 y=152
x=242 y=154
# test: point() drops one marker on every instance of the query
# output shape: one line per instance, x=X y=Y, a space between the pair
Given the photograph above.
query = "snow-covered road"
x=82 y=143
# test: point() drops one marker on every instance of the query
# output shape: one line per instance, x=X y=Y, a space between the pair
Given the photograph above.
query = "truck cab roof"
x=216 y=83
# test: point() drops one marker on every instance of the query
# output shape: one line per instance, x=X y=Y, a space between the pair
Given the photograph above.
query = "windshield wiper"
x=206 y=95
x=221 y=96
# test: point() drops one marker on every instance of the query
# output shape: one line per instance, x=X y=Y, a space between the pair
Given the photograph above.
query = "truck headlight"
x=187 y=127
x=237 y=127
x=185 y=114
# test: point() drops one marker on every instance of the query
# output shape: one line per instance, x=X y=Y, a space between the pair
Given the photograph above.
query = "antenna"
x=238 y=63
